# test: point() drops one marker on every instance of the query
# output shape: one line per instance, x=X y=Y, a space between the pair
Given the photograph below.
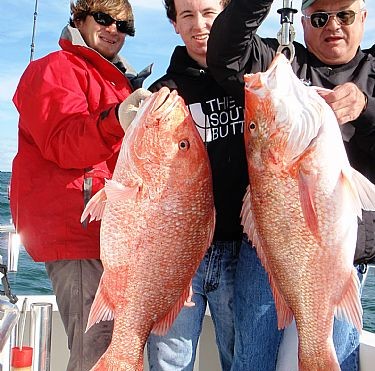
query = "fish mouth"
x=165 y=102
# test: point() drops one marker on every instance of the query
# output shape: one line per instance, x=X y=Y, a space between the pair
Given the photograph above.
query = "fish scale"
x=301 y=209
x=157 y=223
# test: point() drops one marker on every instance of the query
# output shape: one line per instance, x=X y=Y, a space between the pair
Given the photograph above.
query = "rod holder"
x=40 y=335
x=14 y=244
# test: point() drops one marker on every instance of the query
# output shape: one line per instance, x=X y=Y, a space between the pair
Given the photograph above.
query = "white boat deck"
x=207 y=356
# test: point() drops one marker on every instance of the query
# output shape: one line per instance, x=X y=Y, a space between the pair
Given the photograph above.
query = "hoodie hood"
x=183 y=64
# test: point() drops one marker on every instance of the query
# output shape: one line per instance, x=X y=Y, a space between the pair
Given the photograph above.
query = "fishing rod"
x=286 y=35
x=33 y=34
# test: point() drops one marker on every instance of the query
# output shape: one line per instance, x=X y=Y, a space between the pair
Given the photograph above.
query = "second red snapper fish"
x=157 y=222
x=301 y=209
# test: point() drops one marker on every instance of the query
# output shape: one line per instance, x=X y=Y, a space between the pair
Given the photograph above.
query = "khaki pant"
x=75 y=283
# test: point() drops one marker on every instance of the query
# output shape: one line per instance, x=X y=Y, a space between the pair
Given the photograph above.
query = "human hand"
x=189 y=301
x=129 y=107
x=347 y=101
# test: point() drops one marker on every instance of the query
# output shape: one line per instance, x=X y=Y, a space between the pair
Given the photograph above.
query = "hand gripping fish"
x=301 y=208
x=157 y=222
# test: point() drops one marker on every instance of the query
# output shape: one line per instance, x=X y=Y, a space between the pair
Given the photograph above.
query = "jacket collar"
x=73 y=35
x=71 y=40
x=316 y=63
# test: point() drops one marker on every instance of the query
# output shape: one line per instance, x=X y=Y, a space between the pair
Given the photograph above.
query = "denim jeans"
x=212 y=285
x=257 y=338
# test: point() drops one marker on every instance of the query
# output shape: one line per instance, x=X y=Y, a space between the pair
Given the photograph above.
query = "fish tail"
x=331 y=365
x=323 y=360
x=107 y=364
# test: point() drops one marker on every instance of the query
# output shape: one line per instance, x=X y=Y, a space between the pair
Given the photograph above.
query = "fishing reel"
x=287 y=34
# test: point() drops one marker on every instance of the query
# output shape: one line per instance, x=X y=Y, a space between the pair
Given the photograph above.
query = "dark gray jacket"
x=234 y=49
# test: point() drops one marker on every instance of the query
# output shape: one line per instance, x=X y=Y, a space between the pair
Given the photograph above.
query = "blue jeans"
x=257 y=338
x=213 y=284
x=346 y=338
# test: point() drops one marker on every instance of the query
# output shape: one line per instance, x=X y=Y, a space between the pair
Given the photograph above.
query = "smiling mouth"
x=200 y=37
x=107 y=40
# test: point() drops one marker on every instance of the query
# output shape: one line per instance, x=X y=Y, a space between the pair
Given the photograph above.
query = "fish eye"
x=251 y=125
x=184 y=145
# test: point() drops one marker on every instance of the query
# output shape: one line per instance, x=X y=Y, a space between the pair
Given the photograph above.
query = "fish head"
x=279 y=125
x=163 y=143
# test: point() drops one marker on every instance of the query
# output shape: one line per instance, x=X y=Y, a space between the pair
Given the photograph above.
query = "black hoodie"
x=219 y=121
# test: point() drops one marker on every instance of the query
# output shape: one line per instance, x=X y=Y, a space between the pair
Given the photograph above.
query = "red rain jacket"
x=68 y=130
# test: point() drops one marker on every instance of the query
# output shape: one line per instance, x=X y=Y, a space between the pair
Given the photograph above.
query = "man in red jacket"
x=69 y=138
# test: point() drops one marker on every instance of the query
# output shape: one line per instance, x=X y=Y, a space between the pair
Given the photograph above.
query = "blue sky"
x=154 y=42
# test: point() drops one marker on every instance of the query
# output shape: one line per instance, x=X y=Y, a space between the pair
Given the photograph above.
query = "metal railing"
x=40 y=323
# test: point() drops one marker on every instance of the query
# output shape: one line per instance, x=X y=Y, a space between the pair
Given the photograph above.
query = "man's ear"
x=77 y=23
x=175 y=27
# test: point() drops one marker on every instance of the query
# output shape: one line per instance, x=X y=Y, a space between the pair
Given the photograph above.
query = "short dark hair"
x=170 y=8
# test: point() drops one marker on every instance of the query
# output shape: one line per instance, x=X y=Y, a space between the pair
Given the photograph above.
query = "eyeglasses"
x=106 y=20
x=320 y=19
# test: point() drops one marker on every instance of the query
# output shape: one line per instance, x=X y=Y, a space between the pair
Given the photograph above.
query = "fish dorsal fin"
x=95 y=206
x=100 y=310
x=284 y=313
x=162 y=326
x=116 y=191
x=350 y=308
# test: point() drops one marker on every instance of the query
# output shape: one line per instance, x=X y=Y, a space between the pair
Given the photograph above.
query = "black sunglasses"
x=106 y=20
x=320 y=19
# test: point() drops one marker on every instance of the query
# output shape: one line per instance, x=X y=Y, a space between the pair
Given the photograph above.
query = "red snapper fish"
x=301 y=209
x=157 y=222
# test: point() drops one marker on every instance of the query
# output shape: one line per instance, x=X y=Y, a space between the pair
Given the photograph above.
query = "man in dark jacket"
x=331 y=59
x=220 y=123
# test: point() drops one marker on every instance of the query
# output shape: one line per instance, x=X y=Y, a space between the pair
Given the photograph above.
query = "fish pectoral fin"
x=116 y=191
x=95 y=207
x=306 y=185
x=100 y=310
x=350 y=308
x=365 y=189
x=162 y=326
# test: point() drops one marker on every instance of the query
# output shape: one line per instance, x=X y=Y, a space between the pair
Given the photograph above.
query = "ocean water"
x=32 y=279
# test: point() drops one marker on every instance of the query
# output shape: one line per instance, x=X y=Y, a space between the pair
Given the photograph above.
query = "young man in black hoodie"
x=220 y=122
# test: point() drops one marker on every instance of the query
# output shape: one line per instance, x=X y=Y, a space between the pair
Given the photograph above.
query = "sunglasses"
x=320 y=19
x=106 y=20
